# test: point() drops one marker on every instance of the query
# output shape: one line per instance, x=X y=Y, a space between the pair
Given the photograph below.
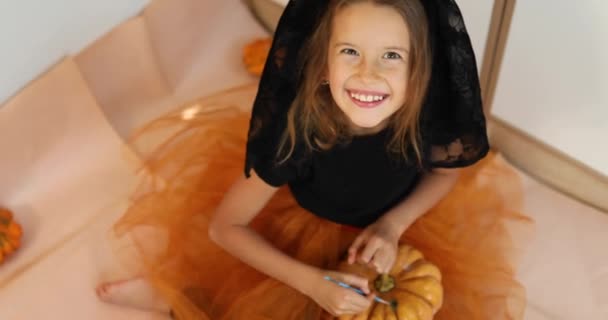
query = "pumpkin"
x=412 y=287
x=255 y=54
x=10 y=234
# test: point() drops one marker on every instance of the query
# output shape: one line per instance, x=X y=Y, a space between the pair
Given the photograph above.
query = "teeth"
x=366 y=98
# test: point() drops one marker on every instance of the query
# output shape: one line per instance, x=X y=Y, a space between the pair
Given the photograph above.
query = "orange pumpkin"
x=413 y=288
x=10 y=234
x=255 y=54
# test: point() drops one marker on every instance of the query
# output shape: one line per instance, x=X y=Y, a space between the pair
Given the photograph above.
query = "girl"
x=364 y=114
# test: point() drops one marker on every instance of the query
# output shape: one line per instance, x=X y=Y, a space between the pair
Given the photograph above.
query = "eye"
x=392 y=55
x=349 y=51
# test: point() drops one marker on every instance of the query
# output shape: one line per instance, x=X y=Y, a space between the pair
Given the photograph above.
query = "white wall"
x=553 y=82
x=35 y=34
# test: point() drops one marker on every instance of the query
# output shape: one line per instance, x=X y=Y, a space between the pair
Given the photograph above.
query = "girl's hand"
x=337 y=300
x=376 y=246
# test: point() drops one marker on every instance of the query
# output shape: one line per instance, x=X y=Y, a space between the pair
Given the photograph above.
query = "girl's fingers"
x=357 y=303
x=355 y=281
x=355 y=247
x=369 y=251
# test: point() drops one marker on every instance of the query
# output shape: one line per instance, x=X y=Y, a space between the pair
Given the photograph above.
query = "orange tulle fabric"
x=473 y=235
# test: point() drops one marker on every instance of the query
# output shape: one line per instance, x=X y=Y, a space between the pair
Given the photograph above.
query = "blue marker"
x=357 y=290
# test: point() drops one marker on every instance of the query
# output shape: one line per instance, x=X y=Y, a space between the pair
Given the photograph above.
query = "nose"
x=368 y=70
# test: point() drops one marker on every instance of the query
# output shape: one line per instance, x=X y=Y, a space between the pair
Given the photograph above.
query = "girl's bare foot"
x=133 y=293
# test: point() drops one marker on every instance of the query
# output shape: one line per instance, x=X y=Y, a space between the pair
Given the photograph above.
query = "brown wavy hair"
x=314 y=116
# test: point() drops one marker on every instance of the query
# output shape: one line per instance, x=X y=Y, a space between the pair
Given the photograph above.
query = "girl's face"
x=367 y=64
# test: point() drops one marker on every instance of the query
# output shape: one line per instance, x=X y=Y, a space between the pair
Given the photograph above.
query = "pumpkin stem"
x=384 y=283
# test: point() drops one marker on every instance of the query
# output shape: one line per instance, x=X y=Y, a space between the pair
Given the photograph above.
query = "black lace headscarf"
x=452 y=122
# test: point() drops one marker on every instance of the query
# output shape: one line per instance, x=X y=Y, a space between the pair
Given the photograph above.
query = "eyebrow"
x=398 y=49
x=402 y=49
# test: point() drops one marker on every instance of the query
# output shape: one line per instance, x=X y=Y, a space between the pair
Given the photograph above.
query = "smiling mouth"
x=367 y=99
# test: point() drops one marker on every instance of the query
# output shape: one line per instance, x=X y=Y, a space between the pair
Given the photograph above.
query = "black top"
x=356 y=183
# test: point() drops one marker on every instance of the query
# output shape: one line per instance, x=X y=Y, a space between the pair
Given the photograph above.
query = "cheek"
x=398 y=83
x=338 y=72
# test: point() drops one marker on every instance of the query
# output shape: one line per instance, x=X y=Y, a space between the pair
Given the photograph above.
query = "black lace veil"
x=452 y=123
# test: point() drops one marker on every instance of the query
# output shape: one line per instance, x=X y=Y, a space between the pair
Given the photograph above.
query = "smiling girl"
x=366 y=114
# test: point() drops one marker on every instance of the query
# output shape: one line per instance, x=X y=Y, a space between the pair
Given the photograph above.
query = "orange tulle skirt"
x=193 y=156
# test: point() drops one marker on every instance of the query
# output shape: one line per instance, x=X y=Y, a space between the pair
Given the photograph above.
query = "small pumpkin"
x=255 y=54
x=413 y=288
x=10 y=234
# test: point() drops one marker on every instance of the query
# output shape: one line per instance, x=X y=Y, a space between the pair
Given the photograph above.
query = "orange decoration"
x=10 y=234
x=255 y=54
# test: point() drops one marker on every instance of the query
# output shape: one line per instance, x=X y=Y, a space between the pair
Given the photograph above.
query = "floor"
x=67 y=181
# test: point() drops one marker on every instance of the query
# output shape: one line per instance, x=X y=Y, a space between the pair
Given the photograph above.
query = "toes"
x=103 y=291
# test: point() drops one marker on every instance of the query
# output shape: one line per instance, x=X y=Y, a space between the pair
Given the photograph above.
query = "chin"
x=366 y=123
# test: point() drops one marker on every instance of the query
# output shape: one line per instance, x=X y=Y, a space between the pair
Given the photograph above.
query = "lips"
x=367 y=98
